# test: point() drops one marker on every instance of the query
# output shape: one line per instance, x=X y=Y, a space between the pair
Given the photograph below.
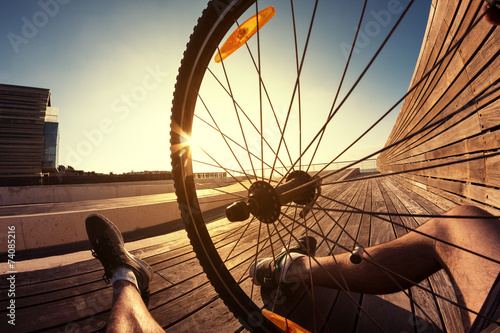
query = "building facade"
x=29 y=134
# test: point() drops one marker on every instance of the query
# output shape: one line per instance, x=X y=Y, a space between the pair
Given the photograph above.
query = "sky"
x=111 y=67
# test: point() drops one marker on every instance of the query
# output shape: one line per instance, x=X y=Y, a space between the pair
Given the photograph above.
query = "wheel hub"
x=264 y=201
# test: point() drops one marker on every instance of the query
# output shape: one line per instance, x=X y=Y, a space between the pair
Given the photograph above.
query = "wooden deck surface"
x=74 y=298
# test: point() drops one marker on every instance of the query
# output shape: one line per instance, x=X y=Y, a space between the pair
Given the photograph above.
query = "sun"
x=185 y=140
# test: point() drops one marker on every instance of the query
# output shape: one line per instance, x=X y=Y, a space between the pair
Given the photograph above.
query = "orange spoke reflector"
x=244 y=32
x=285 y=324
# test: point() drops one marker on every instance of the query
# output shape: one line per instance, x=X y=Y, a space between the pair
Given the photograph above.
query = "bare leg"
x=129 y=274
x=472 y=276
x=415 y=257
x=492 y=14
x=129 y=313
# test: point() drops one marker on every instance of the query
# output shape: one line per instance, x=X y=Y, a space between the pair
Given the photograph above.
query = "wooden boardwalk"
x=74 y=298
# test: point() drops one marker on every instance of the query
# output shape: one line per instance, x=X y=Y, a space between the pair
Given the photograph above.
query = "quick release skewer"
x=264 y=201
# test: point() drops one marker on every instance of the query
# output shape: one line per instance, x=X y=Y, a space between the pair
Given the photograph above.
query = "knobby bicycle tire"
x=213 y=24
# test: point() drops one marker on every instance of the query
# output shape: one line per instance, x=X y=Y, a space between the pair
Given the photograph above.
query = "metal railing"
x=364 y=166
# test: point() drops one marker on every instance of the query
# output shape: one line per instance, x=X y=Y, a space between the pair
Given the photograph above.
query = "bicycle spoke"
x=296 y=48
x=333 y=279
x=379 y=216
x=233 y=141
x=247 y=225
x=295 y=88
x=227 y=170
x=354 y=86
x=394 y=274
x=237 y=116
x=208 y=187
x=261 y=135
x=273 y=111
x=332 y=112
x=259 y=71
x=407 y=137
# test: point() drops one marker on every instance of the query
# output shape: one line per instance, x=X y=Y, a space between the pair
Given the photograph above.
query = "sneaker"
x=108 y=246
x=266 y=272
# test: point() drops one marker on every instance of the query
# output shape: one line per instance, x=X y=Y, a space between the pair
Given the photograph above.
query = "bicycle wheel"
x=273 y=122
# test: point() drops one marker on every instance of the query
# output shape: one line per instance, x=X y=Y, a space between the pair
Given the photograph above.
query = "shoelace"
x=104 y=276
x=104 y=257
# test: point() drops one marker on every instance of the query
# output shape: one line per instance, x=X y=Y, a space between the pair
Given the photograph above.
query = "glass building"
x=50 y=140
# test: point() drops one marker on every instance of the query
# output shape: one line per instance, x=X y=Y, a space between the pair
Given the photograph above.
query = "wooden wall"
x=463 y=87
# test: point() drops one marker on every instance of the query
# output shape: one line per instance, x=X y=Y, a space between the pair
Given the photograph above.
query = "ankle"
x=298 y=270
x=123 y=274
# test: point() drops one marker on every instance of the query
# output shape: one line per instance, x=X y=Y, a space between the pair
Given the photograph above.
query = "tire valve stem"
x=357 y=255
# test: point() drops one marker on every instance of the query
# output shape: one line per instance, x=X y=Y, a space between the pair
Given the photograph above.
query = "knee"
x=450 y=224
x=476 y=224
x=468 y=210
x=492 y=14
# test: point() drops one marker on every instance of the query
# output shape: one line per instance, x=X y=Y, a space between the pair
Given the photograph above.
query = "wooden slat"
x=466 y=81
x=424 y=307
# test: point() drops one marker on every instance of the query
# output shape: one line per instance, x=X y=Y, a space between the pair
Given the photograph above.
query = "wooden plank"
x=435 y=36
x=492 y=165
x=365 y=226
x=466 y=128
x=393 y=311
x=488 y=52
x=328 y=300
x=349 y=235
x=380 y=233
x=426 y=313
x=212 y=318
x=419 y=111
x=344 y=312
x=429 y=198
x=441 y=284
x=446 y=92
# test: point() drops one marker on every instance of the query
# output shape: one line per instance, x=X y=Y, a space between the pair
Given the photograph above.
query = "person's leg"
x=492 y=10
x=129 y=313
x=410 y=258
x=472 y=275
x=415 y=257
x=129 y=275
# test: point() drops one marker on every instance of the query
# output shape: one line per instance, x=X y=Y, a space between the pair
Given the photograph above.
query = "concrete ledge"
x=51 y=229
x=350 y=173
x=25 y=195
